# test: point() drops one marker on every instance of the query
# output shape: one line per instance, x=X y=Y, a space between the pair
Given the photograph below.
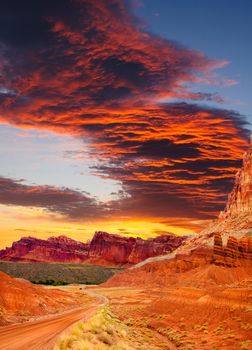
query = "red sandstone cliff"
x=240 y=199
x=201 y=266
x=237 y=215
x=104 y=249
x=54 y=249
x=120 y=250
x=237 y=252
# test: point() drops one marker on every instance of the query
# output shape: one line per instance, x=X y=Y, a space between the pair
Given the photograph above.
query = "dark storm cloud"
x=25 y=24
x=168 y=149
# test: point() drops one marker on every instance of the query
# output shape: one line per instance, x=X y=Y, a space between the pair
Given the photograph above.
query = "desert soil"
x=43 y=333
x=187 y=318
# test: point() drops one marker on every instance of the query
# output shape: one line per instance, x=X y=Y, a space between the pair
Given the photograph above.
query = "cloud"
x=176 y=160
x=64 y=201
x=66 y=59
x=87 y=68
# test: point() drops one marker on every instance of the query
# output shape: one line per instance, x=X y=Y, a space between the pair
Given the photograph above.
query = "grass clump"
x=245 y=345
x=246 y=326
x=101 y=332
x=2 y=311
x=219 y=330
x=24 y=313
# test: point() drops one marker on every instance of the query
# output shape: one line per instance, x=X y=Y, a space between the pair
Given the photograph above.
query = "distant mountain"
x=54 y=249
x=104 y=249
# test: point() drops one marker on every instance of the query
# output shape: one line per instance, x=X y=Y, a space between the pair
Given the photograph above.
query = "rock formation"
x=54 y=249
x=154 y=247
x=240 y=199
x=103 y=249
x=108 y=248
x=237 y=215
x=128 y=250
x=237 y=251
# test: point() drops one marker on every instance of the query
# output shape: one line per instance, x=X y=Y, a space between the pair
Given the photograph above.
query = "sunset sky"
x=129 y=117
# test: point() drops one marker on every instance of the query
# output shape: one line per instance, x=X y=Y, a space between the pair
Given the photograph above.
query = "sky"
x=129 y=117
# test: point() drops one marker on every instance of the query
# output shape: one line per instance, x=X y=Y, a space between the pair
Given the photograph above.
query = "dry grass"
x=101 y=332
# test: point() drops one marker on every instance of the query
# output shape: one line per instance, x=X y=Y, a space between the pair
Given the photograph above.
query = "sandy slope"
x=21 y=300
x=44 y=333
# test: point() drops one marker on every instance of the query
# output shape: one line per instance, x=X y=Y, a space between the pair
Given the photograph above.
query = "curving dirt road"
x=43 y=334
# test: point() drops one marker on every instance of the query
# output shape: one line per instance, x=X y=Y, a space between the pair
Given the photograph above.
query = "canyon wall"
x=103 y=249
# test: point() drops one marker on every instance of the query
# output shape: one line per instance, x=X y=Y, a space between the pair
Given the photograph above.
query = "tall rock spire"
x=240 y=199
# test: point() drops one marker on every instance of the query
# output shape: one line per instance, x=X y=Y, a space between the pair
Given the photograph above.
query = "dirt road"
x=43 y=334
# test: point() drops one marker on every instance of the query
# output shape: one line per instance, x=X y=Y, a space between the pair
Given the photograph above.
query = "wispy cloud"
x=71 y=203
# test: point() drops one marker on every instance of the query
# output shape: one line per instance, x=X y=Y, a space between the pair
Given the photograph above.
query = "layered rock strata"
x=236 y=252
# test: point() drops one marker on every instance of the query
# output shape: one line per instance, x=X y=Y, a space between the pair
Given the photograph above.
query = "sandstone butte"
x=226 y=243
x=103 y=249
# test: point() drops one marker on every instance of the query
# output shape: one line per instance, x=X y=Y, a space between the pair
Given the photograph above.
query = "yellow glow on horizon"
x=17 y=222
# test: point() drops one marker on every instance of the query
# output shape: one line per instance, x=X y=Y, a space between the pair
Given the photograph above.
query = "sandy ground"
x=43 y=334
x=186 y=318
x=183 y=316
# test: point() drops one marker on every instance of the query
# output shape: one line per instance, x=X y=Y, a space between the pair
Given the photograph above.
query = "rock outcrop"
x=103 y=249
x=107 y=248
x=54 y=249
x=154 y=247
x=240 y=199
x=120 y=250
x=237 y=215
x=237 y=252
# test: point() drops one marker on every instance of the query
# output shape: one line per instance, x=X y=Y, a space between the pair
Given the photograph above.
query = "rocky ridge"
x=54 y=249
x=103 y=249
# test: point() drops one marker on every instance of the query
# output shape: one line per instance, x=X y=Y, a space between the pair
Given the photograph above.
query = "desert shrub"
x=246 y=326
x=2 y=312
x=50 y=282
x=101 y=332
x=245 y=345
